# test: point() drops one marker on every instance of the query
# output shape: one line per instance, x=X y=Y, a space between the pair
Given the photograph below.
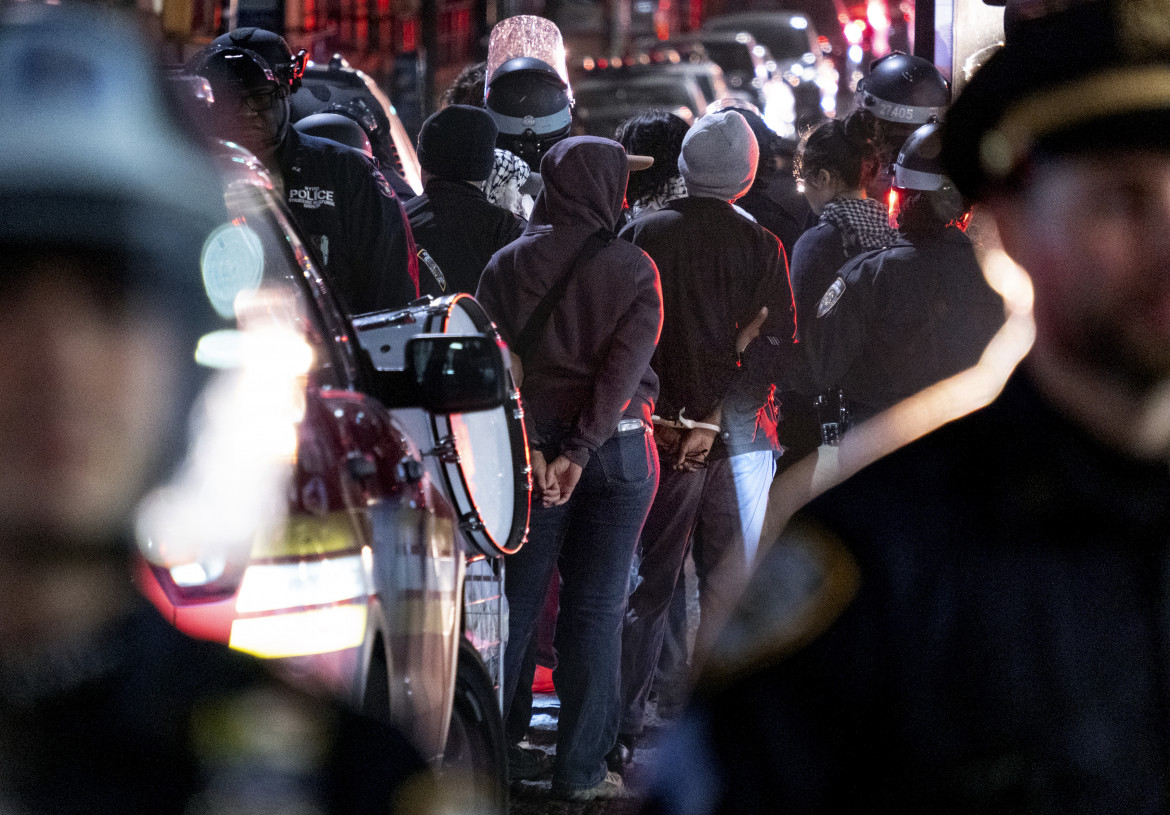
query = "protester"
x=977 y=622
x=582 y=311
x=658 y=134
x=834 y=164
x=338 y=197
x=773 y=199
x=104 y=707
x=453 y=220
x=720 y=272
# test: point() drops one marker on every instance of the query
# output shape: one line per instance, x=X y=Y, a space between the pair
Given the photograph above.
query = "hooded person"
x=715 y=424
x=452 y=220
x=583 y=312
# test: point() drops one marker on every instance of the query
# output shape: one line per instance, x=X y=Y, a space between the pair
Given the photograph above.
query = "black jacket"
x=901 y=319
x=1005 y=652
x=718 y=269
x=461 y=230
x=348 y=210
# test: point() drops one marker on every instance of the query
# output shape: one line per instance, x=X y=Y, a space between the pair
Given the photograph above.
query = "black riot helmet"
x=288 y=67
x=338 y=128
x=531 y=106
x=904 y=89
x=924 y=198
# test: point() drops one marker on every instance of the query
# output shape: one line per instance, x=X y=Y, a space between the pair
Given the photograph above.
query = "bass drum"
x=480 y=459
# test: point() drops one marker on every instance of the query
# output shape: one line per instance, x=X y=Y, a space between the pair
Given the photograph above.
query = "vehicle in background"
x=604 y=102
x=749 y=70
x=409 y=480
x=689 y=62
x=337 y=87
x=798 y=53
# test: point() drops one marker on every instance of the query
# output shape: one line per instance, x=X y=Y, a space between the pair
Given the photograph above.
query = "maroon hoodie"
x=590 y=365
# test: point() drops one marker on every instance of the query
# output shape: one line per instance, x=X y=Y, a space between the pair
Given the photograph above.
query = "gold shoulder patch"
x=799 y=586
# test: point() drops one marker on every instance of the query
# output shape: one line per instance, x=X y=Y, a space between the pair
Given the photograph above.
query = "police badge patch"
x=831 y=297
x=383 y=185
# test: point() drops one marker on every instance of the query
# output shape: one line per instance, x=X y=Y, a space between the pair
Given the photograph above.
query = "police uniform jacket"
x=1004 y=643
x=899 y=319
x=356 y=224
x=461 y=230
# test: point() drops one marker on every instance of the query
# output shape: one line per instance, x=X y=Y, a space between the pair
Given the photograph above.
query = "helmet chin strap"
x=286 y=114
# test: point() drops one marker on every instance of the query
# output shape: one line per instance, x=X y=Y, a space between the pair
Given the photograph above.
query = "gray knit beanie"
x=719 y=156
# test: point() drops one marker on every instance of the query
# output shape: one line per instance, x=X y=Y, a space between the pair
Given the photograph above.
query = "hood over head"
x=584 y=183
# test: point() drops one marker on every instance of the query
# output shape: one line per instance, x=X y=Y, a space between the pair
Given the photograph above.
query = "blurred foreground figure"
x=105 y=708
x=978 y=623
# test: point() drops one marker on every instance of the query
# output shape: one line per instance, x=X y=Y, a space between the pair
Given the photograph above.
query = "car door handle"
x=361 y=465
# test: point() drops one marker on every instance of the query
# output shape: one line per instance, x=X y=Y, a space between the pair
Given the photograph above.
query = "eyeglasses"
x=260 y=101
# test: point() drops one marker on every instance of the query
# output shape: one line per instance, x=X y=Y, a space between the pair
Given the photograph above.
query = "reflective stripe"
x=917 y=180
x=540 y=125
x=907 y=114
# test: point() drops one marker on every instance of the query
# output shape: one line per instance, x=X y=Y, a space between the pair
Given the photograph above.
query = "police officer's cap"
x=1073 y=76
x=905 y=89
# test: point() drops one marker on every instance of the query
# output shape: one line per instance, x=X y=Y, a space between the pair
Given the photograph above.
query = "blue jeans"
x=592 y=539
x=723 y=506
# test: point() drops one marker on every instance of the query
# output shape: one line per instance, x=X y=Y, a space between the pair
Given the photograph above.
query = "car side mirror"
x=456 y=373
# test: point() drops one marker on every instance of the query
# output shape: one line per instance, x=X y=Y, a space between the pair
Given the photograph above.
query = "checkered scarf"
x=502 y=188
x=666 y=192
x=862 y=222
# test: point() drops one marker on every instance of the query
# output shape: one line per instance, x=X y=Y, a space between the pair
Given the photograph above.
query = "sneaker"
x=621 y=755
x=609 y=787
x=527 y=763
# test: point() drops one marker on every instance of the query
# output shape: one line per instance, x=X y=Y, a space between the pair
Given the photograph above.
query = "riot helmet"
x=251 y=103
x=904 y=89
x=337 y=128
x=288 y=67
x=922 y=195
x=527 y=90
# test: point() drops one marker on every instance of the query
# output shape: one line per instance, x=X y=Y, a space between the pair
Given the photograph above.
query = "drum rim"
x=521 y=475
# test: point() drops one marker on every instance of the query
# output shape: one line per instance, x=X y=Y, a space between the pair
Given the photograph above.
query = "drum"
x=480 y=459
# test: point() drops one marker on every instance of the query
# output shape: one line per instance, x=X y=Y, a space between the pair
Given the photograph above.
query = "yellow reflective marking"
x=305 y=535
x=319 y=631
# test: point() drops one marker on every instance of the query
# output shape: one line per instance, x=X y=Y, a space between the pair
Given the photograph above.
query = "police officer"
x=904 y=92
x=977 y=623
x=338 y=196
x=105 y=208
x=898 y=319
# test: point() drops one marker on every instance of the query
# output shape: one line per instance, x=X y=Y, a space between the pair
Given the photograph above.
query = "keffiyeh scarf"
x=672 y=189
x=509 y=173
x=863 y=224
